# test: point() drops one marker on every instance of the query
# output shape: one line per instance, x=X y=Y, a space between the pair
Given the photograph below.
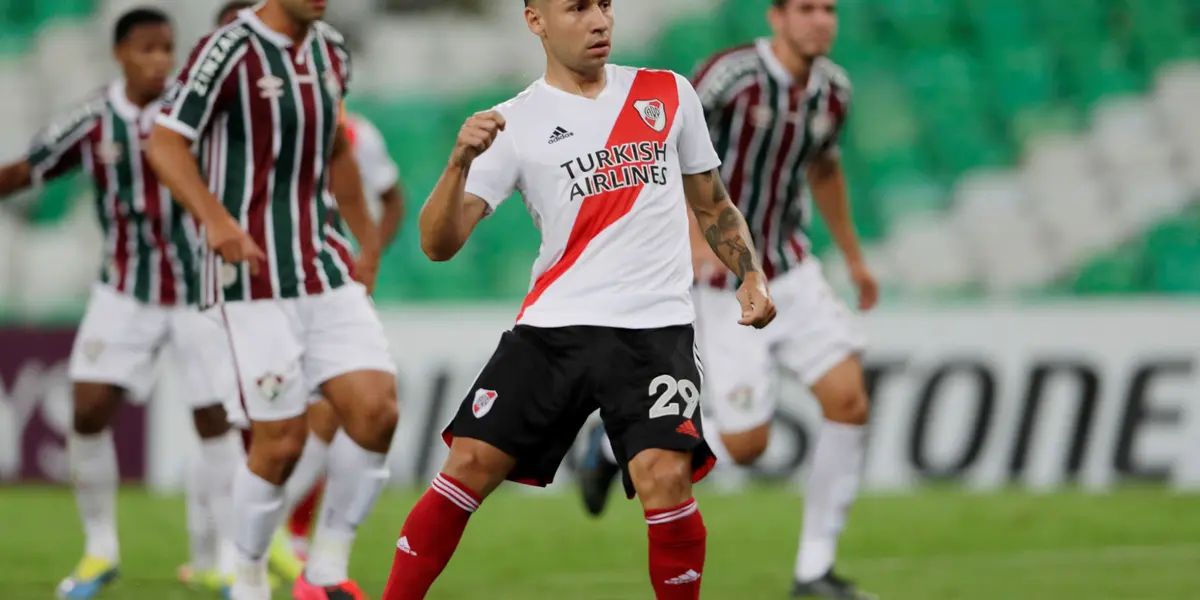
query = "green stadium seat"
x=688 y=41
x=908 y=194
x=918 y=22
x=1120 y=272
x=1174 y=251
x=744 y=20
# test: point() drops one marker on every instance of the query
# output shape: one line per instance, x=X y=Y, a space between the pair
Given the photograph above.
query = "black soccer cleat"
x=596 y=473
x=830 y=586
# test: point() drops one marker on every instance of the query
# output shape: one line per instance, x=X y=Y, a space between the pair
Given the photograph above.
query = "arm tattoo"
x=728 y=239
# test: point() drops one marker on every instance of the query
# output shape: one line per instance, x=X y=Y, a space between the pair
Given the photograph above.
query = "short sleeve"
x=205 y=84
x=838 y=109
x=696 y=152
x=58 y=148
x=493 y=175
x=379 y=172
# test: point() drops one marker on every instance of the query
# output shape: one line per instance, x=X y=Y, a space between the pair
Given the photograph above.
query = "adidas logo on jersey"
x=689 y=577
x=403 y=546
x=559 y=135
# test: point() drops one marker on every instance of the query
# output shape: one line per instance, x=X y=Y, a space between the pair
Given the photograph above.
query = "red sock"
x=300 y=522
x=677 y=538
x=429 y=537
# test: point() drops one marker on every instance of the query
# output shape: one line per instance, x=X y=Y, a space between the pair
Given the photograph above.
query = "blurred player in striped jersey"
x=776 y=109
x=145 y=298
x=385 y=200
x=261 y=97
x=381 y=181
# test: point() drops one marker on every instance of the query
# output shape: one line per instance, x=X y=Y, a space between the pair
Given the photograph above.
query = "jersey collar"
x=251 y=19
x=126 y=109
x=781 y=74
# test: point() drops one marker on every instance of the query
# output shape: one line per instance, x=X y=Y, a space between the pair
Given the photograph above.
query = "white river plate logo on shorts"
x=484 y=400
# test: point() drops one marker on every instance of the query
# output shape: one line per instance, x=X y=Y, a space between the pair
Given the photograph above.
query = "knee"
x=281 y=445
x=662 y=478
x=478 y=466
x=745 y=448
x=374 y=423
x=210 y=421
x=94 y=405
x=848 y=406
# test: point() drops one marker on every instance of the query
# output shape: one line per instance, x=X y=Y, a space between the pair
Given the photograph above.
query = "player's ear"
x=533 y=18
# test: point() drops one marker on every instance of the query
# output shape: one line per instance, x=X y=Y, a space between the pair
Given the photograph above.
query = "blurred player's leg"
x=113 y=356
x=303 y=490
x=93 y=457
x=597 y=471
x=833 y=481
x=347 y=352
x=433 y=529
x=212 y=473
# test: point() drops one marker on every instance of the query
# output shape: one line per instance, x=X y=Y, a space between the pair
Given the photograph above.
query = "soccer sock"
x=258 y=508
x=677 y=538
x=309 y=469
x=219 y=460
x=831 y=489
x=429 y=537
x=94 y=473
x=356 y=476
x=301 y=519
x=606 y=450
x=202 y=532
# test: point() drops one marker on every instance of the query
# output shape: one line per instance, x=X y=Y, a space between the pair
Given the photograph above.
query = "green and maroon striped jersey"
x=768 y=128
x=264 y=112
x=149 y=241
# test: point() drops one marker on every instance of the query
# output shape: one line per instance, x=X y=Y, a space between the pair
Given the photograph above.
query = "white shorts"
x=812 y=333
x=284 y=350
x=119 y=340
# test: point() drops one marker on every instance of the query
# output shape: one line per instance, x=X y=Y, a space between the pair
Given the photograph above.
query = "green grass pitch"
x=1137 y=544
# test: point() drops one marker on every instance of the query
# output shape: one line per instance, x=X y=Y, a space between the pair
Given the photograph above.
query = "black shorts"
x=541 y=384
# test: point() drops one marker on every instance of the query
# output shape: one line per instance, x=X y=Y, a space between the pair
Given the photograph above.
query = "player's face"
x=146 y=56
x=808 y=27
x=304 y=11
x=577 y=33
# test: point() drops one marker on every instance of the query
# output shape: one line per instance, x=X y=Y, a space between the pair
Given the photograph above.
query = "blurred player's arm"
x=392 y=218
x=15 y=177
x=352 y=206
x=187 y=110
x=170 y=155
x=451 y=213
x=827 y=181
x=721 y=223
x=55 y=151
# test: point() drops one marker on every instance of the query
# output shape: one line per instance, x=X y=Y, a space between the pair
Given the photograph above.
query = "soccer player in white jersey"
x=261 y=99
x=145 y=299
x=776 y=109
x=608 y=160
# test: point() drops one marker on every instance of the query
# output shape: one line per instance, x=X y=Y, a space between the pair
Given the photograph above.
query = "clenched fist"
x=476 y=136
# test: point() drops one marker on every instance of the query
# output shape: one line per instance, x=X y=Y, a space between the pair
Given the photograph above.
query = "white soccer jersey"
x=602 y=179
x=379 y=172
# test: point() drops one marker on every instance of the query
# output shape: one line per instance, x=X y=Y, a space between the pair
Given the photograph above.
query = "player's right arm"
x=452 y=212
x=56 y=151
x=204 y=86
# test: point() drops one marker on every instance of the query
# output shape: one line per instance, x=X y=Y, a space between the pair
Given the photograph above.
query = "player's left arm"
x=720 y=221
x=827 y=181
x=352 y=206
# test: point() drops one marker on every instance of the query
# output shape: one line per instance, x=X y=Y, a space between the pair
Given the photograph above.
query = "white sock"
x=831 y=489
x=310 y=468
x=94 y=474
x=356 y=477
x=606 y=450
x=218 y=464
x=202 y=531
x=257 y=511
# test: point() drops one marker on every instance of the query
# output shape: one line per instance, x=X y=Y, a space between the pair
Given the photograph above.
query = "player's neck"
x=799 y=66
x=136 y=98
x=273 y=16
x=588 y=85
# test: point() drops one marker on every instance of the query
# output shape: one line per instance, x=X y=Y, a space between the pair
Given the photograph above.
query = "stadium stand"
x=997 y=148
